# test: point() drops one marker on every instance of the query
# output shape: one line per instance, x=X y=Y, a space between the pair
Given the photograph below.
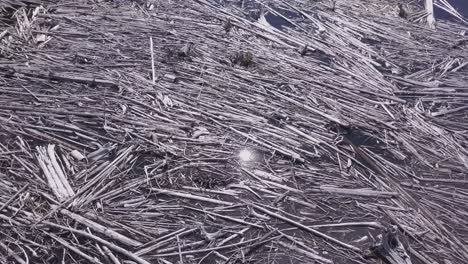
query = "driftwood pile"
x=211 y=131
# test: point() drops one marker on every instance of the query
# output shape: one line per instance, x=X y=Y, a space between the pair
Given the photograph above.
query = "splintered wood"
x=54 y=173
x=207 y=131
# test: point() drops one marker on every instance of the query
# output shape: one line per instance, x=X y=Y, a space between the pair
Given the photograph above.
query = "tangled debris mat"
x=232 y=132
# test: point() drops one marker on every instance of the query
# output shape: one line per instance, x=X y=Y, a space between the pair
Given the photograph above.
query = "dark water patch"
x=460 y=5
x=360 y=138
x=277 y=18
x=290 y=14
x=282 y=17
x=277 y=21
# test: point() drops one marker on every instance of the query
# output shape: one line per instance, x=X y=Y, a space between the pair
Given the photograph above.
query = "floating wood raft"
x=247 y=132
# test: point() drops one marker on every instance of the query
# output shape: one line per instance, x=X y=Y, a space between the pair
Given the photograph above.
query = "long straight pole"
x=430 y=14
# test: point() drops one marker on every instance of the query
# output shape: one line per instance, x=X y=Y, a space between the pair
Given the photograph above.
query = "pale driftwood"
x=153 y=72
x=74 y=249
x=77 y=155
x=369 y=224
x=358 y=192
x=99 y=240
x=111 y=255
x=190 y=196
x=101 y=229
x=301 y=226
x=430 y=13
x=53 y=172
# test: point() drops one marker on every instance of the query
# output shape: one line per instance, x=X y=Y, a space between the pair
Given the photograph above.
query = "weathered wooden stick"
x=74 y=249
x=430 y=13
x=229 y=218
x=358 y=192
x=191 y=196
x=18 y=193
x=101 y=229
x=12 y=253
x=306 y=228
x=153 y=72
x=99 y=240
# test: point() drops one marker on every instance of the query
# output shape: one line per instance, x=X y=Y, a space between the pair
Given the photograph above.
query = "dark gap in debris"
x=370 y=41
x=242 y=58
x=288 y=13
x=323 y=57
x=361 y=138
x=356 y=136
x=278 y=22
